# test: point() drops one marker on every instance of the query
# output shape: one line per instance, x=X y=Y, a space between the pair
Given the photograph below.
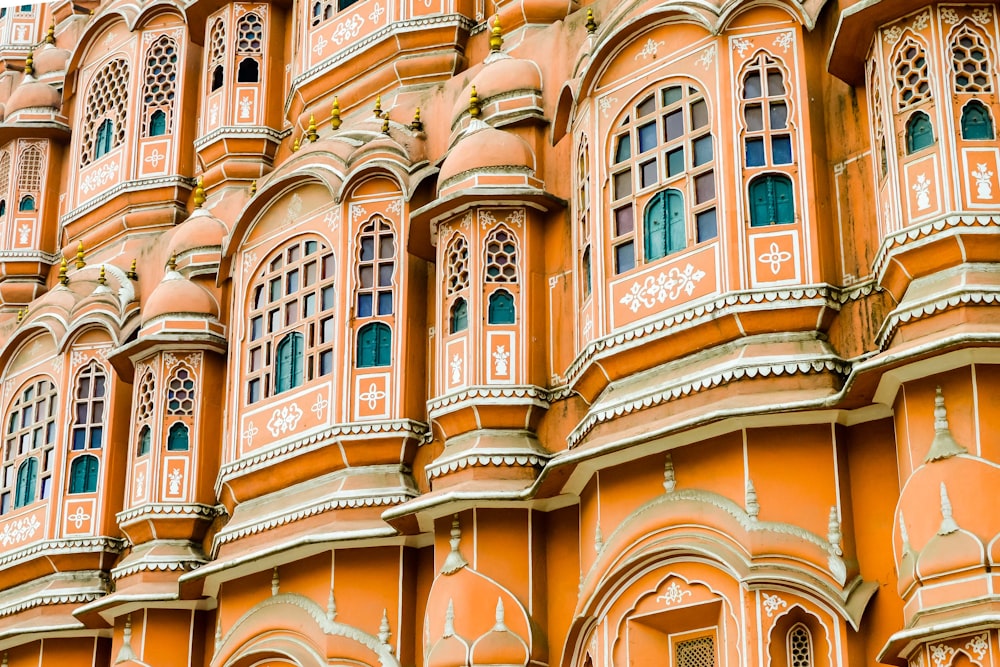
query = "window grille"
x=88 y=409
x=458 y=265
x=971 y=63
x=159 y=88
x=698 y=652
x=501 y=257
x=799 y=647
x=911 y=75
x=376 y=266
x=29 y=175
x=250 y=35
x=105 y=115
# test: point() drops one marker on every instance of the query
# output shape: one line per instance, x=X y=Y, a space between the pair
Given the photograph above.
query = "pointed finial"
x=500 y=626
x=253 y=187
x=416 y=124
x=20 y=314
x=496 y=35
x=331 y=607
x=311 y=132
x=753 y=507
x=833 y=535
x=63 y=278
x=126 y=652
x=385 y=123
x=669 y=483
x=378 y=106
x=274 y=582
x=29 y=64
x=80 y=263
x=172 y=263
x=102 y=279
x=295 y=145
x=131 y=274
x=943 y=446
x=383 y=628
x=449 y=619
x=591 y=24
x=948 y=524
x=474 y=109
x=50 y=34
x=598 y=539
x=199 y=193
x=335 y=115
x=454 y=561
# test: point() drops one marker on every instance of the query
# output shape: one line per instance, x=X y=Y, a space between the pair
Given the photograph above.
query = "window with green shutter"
x=771 y=200
x=83 y=474
x=27 y=478
x=374 y=345
x=288 y=364
x=663 y=224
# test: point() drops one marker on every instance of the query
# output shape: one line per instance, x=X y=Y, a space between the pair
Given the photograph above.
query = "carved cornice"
x=176 y=565
x=494 y=394
x=243 y=131
x=962 y=295
x=30 y=256
x=130 y=186
x=169 y=511
x=484 y=458
x=892 y=243
x=46 y=548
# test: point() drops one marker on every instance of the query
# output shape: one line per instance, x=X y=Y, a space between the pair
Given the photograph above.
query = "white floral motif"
x=981 y=15
x=245 y=106
x=673 y=594
x=357 y=212
x=978 y=645
x=456 y=369
x=893 y=34
x=57 y=366
x=79 y=517
x=500 y=359
x=332 y=219
x=588 y=328
x=249 y=259
x=605 y=105
x=949 y=15
x=248 y=435
x=319 y=407
x=662 y=288
x=372 y=396
x=466 y=219
x=170 y=360
x=984 y=183
x=516 y=217
x=174 y=482
x=213 y=113
x=741 y=46
x=921 y=21
x=707 y=56
x=395 y=207
x=76 y=357
x=155 y=158
x=284 y=419
x=785 y=40
x=320 y=44
x=922 y=187
x=294 y=209
x=140 y=486
x=19 y=531
x=349 y=29
x=942 y=654
x=649 y=49
x=23 y=232
x=775 y=256
x=99 y=177
x=486 y=219
x=376 y=13
x=771 y=604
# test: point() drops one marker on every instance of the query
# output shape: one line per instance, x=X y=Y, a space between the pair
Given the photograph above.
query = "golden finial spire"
x=29 y=64
x=496 y=35
x=335 y=115
x=172 y=263
x=591 y=24
x=63 y=278
x=385 y=123
x=417 y=125
x=102 y=279
x=378 y=106
x=253 y=187
x=21 y=313
x=50 y=35
x=80 y=263
x=474 y=108
x=295 y=145
x=131 y=274
x=199 y=193
x=311 y=132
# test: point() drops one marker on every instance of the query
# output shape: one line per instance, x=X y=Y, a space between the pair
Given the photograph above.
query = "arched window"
x=3 y=207
x=29 y=170
x=376 y=265
x=88 y=409
x=217 y=54
x=83 y=474
x=459 y=315
x=772 y=201
x=317 y=13
x=501 y=308
x=501 y=256
x=250 y=35
x=328 y=12
x=971 y=62
x=699 y=652
x=374 y=345
x=180 y=393
x=248 y=72
x=177 y=438
x=767 y=140
x=27 y=479
x=31 y=436
x=583 y=215
x=105 y=111
x=288 y=363
x=160 y=85
x=664 y=141
x=799 y=649
x=919 y=133
x=27 y=204
x=976 y=121
x=458 y=265
x=144 y=441
x=663 y=224
x=292 y=292
x=911 y=75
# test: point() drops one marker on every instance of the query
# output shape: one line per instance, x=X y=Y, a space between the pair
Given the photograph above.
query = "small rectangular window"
x=779 y=115
x=79 y=438
x=624 y=149
x=708 y=226
x=703 y=152
x=699 y=114
x=273 y=320
x=754 y=114
x=275 y=289
x=326 y=331
x=309 y=274
x=672 y=94
x=366 y=276
x=649 y=173
x=326 y=362
x=327 y=267
x=253 y=391
x=624 y=257
x=367 y=249
x=292 y=282
x=291 y=313
x=647 y=137
x=675 y=162
x=385 y=275
x=775 y=83
x=311 y=247
x=624 y=220
x=704 y=187
x=255 y=355
x=256 y=327
x=751 y=86
x=364 y=305
x=755 y=152
x=309 y=305
x=385 y=303
x=293 y=254
x=646 y=107
x=327 y=297
x=623 y=184
x=673 y=125
x=781 y=149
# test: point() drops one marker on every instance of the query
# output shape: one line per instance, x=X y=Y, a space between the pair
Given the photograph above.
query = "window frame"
x=26 y=437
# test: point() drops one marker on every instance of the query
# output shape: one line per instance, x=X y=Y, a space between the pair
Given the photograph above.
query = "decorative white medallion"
x=984 y=182
x=922 y=187
x=979 y=645
x=284 y=419
x=942 y=654
x=649 y=49
x=456 y=369
x=249 y=434
x=155 y=158
x=319 y=407
x=174 y=482
x=672 y=595
x=500 y=359
x=78 y=518
x=662 y=288
x=772 y=603
x=775 y=256
x=349 y=29
x=741 y=46
x=372 y=396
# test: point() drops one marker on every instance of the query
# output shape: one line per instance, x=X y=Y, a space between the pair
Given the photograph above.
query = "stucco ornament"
x=454 y=561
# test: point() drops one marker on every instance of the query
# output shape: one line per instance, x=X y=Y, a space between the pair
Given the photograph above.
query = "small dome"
x=450 y=651
x=485 y=148
x=502 y=76
x=177 y=295
x=33 y=94
x=954 y=552
x=50 y=58
x=201 y=230
x=499 y=646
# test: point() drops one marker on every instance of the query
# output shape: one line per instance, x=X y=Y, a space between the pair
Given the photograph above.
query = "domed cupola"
x=179 y=305
x=499 y=646
x=197 y=243
x=50 y=60
x=32 y=96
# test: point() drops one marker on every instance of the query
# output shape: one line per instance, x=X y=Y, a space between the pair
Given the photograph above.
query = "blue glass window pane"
x=364 y=305
x=781 y=149
x=624 y=257
x=702 y=150
x=755 y=152
x=647 y=137
x=707 y=224
x=675 y=162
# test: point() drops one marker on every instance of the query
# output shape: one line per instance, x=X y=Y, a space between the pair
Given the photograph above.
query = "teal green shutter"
x=177 y=438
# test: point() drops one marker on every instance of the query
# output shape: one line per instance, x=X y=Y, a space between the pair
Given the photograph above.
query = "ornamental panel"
x=371 y=395
x=175 y=478
x=922 y=188
x=456 y=358
x=980 y=174
x=775 y=258
x=501 y=360
x=349 y=28
x=154 y=157
x=79 y=517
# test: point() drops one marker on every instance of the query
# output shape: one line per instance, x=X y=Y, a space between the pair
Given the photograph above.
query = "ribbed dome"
x=33 y=94
x=484 y=148
x=177 y=295
x=499 y=646
x=502 y=76
x=50 y=58
x=450 y=651
x=953 y=552
x=201 y=230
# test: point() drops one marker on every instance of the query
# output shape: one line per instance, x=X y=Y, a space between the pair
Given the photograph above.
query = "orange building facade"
x=454 y=333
